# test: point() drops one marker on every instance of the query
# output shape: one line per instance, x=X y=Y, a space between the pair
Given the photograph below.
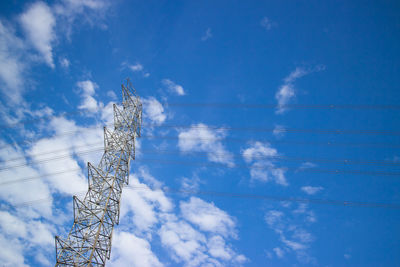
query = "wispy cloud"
x=173 y=87
x=293 y=237
x=286 y=91
x=311 y=190
x=207 y=35
x=262 y=168
x=266 y=23
x=137 y=67
x=279 y=131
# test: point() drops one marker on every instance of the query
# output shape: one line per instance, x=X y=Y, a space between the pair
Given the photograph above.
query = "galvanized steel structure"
x=89 y=241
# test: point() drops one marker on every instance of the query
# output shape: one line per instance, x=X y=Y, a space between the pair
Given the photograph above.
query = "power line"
x=26 y=179
x=236 y=166
x=289 y=106
x=164 y=151
x=283 y=130
x=228 y=105
x=234 y=140
x=291 y=169
x=168 y=190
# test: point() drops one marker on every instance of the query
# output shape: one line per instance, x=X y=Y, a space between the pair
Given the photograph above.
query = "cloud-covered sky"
x=250 y=110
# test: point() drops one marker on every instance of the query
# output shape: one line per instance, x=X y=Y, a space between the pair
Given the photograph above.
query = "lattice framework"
x=89 y=241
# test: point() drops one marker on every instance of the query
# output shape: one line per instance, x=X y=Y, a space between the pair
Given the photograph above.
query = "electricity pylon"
x=89 y=241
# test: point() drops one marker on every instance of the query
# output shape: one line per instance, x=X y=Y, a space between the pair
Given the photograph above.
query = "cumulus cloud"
x=11 y=64
x=286 y=91
x=201 y=138
x=190 y=241
x=195 y=248
x=208 y=217
x=311 y=190
x=262 y=168
x=153 y=110
x=17 y=231
x=136 y=67
x=173 y=87
x=89 y=103
x=38 y=23
x=130 y=250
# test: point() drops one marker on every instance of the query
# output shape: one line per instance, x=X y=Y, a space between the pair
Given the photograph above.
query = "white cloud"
x=112 y=95
x=279 y=131
x=19 y=231
x=286 y=91
x=130 y=250
x=89 y=11
x=311 y=190
x=153 y=110
x=218 y=248
x=307 y=165
x=208 y=217
x=144 y=203
x=190 y=184
x=136 y=67
x=183 y=240
x=207 y=35
x=266 y=23
x=293 y=237
x=279 y=252
x=15 y=193
x=11 y=253
x=201 y=138
x=11 y=64
x=173 y=87
x=64 y=62
x=38 y=23
x=262 y=168
x=89 y=103
x=188 y=240
x=194 y=248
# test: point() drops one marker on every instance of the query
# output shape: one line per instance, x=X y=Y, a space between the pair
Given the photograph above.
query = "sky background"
x=237 y=100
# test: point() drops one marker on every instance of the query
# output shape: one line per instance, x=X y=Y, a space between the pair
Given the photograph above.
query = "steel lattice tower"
x=89 y=241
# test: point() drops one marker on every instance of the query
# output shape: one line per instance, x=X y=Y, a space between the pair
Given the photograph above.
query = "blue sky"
x=61 y=66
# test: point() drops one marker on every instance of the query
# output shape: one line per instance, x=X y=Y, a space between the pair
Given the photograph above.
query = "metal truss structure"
x=89 y=241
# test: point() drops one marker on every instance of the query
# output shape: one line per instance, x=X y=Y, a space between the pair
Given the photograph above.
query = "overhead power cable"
x=270 y=129
x=242 y=196
x=232 y=140
x=94 y=147
x=286 y=106
x=226 y=105
x=236 y=166
x=283 y=130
